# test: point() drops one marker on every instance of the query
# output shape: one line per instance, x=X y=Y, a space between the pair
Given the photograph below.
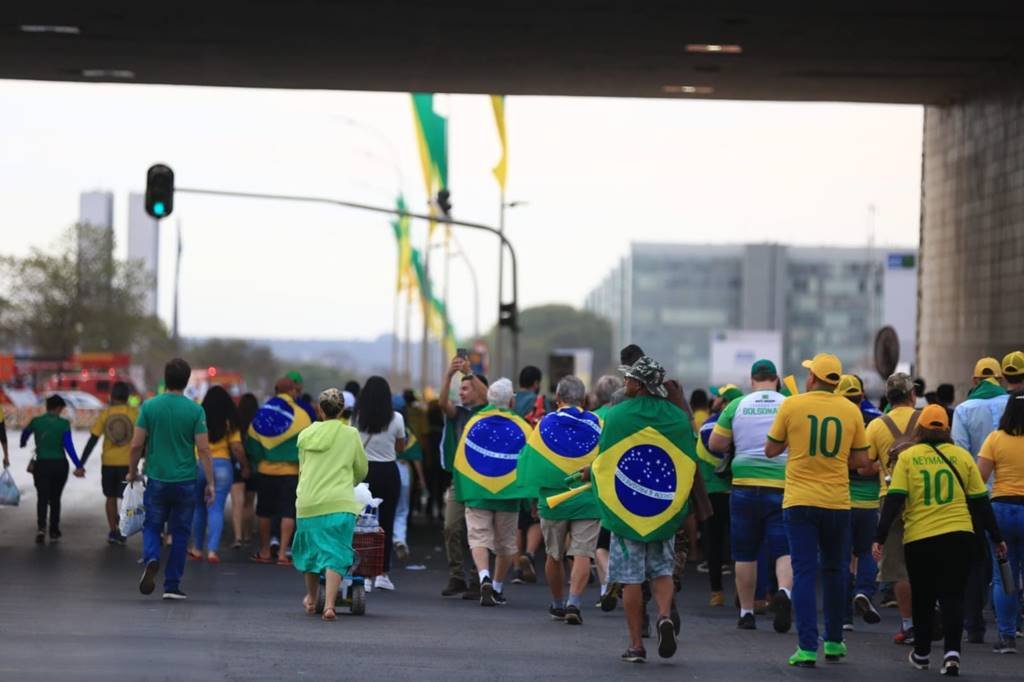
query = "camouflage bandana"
x=651 y=374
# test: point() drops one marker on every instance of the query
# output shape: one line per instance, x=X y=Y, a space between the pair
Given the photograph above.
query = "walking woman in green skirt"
x=331 y=463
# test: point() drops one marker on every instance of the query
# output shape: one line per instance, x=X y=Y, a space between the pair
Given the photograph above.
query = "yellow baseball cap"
x=987 y=368
x=1013 y=364
x=849 y=385
x=826 y=367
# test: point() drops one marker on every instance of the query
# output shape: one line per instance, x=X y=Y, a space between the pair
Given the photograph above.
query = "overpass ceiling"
x=911 y=52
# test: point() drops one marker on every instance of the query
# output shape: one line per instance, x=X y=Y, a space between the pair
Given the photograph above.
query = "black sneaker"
x=919 y=662
x=556 y=612
x=746 y=622
x=175 y=595
x=148 y=582
x=951 y=665
x=40 y=537
x=866 y=610
x=517 y=577
x=634 y=655
x=1005 y=646
x=455 y=586
x=55 y=536
x=487 y=593
x=610 y=599
x=573 y=615
x=112 y=537
x=666 y=638
x=499 y=598
x=782 y=610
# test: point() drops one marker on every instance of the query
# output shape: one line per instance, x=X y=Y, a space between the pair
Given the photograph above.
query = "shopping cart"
x=368 y=544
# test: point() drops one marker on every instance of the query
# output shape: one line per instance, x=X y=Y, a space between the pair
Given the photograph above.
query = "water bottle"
x=1009 y=580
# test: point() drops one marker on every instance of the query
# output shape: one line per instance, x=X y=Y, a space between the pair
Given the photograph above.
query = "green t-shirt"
x=49 y=430
x=171 y=422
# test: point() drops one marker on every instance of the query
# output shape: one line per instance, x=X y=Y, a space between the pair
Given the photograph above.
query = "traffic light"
x=444 y=202
x=159 y=191
x=508 y=316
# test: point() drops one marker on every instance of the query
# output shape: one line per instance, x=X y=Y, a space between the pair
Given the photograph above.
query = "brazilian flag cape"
x=413 y=450
x=644 y=470
x=487 y=455
x=563 y=443
x=274 y=432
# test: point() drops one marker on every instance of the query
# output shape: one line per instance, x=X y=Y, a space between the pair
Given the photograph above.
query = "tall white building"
x=97 y=210
x=144 y=248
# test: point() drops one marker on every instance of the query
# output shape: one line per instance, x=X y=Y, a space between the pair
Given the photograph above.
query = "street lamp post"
x=446 y=220
x=498 y=333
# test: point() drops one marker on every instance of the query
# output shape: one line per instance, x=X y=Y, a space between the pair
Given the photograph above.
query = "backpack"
x=901 y=439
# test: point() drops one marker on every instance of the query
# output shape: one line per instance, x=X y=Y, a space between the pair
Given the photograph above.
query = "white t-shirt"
x=380 y=447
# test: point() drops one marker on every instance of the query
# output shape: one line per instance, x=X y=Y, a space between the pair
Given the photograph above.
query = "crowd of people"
x=913 y=503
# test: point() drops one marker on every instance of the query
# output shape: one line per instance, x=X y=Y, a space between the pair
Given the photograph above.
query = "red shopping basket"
x=369 y=548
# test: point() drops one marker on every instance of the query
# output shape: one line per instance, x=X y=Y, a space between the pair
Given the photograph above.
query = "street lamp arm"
x=446 y=220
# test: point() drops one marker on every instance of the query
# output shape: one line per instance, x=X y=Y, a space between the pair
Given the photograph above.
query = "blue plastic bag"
x=9 y=493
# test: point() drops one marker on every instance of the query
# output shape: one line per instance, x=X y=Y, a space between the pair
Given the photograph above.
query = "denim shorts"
x=631 y=563
x=756 y=515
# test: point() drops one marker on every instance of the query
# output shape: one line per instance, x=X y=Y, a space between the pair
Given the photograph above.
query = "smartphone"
x=462 y=353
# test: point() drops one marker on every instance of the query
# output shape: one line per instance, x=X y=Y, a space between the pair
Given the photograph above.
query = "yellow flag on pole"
x=501 y=170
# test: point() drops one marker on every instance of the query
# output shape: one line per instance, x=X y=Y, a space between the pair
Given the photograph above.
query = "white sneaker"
x=384 y=583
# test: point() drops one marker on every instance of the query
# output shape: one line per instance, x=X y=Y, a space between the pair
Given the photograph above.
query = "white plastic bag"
x=9 y=493
x=133 y=513
x=365 y=497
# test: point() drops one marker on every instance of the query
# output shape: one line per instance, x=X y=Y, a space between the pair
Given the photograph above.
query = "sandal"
x=212 y=559
x=193 y=555
x=257 y=559
x=284 y=562
x=329 y=614
x=310 y=606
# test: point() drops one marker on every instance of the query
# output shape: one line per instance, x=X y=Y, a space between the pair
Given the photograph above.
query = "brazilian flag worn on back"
x=413 y=450
x=274 y=432
x=644 y=471
x=563 y=443
x=487 y=454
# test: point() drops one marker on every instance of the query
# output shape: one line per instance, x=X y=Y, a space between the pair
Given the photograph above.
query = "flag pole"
x=498 y=330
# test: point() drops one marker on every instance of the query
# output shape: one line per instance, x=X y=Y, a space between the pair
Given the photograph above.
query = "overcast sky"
x=596 y=173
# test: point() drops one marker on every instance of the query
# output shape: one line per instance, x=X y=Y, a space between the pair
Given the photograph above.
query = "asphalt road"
x=72 y=611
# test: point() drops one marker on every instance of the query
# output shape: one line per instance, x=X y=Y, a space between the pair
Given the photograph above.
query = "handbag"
x=31 y=465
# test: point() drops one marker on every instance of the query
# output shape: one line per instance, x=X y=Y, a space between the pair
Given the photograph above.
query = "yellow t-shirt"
x=935 y=501
x=700 y=416
x=820 y=429
x=1006 y=453
x=222 y=448
x=880 y=439
x=116 y=425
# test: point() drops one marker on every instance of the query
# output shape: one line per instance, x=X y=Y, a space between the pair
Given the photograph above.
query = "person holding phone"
x=937 y=488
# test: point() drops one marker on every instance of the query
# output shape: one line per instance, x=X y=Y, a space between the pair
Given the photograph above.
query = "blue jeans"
x=863 y=523
x=169 y=503
x=813 y=531
x=402 y=510
x=208 y=522
x=1010 y=519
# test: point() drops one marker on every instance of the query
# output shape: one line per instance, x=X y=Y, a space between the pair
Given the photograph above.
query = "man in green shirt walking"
x=172 y=428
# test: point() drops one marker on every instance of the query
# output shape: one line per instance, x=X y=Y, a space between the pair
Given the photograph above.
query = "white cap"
x=350 y=400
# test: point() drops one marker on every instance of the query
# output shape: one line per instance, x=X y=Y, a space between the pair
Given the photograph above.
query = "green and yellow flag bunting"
x=563 y=443
x=501 y=170
x=644 y=471
x=432 y=138
x=487 y=455
x=400 y=226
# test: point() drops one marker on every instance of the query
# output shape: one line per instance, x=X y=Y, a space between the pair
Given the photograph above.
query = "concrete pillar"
x=971 y=277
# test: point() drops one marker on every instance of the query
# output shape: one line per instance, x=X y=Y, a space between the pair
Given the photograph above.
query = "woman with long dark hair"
x=222 y=423
x=382 y=432
x=243 y=486
x=1002 y=453
x=938 y=489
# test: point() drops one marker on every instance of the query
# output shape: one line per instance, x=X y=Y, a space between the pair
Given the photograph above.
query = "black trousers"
x=978 y=592
x=938 y=568
x=49 y=476
x=385 y=483
x=716 y=538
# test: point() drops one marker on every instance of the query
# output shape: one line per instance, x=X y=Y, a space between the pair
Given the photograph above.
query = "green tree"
x=256 y=363
x=544 y=328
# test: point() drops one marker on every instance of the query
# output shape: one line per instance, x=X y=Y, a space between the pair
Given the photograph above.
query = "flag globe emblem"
x=645 y=480
x=274 y=418
x=493 y=445
x=570 y=436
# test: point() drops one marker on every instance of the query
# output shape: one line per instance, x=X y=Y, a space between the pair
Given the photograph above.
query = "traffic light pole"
x=514 y=303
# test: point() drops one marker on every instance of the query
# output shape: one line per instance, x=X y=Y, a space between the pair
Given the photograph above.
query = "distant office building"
x=675 y=300
x=144 y=248
x=97 y=210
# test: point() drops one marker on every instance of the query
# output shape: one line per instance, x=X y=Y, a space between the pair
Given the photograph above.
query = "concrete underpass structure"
x=963 y=61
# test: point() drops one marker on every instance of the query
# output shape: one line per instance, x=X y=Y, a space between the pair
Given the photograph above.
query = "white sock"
x=744 y=612
x=484 y=574
x=497 y=585
x=951 y=653
x=604 y=589
x=786 y=591
x=907 y=623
